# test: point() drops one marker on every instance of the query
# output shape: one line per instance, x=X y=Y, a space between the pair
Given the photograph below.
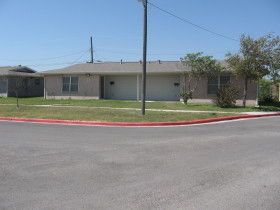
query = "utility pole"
x=91 y=50
x=145 y=36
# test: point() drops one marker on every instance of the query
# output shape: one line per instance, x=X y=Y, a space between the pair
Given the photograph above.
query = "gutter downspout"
x=138 y=88
x=104 y=87
x=7 y=88
x=45 y=94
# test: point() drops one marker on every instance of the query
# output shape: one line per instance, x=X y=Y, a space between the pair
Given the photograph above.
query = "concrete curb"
x=134 y=124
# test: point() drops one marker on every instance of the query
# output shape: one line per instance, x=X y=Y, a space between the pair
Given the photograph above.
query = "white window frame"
x=70 y=84
x=219 y=83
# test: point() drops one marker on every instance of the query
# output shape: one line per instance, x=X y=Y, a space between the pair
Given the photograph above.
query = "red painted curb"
x=134 y=124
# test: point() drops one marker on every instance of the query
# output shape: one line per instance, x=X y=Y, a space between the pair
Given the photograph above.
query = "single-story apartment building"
x=20 y=80
x=122 y=81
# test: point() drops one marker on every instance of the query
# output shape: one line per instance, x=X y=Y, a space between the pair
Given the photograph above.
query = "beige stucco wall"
x=201 y=90
x=89 y=87
x=201 y=93
x=252 y=88
x=3 y=86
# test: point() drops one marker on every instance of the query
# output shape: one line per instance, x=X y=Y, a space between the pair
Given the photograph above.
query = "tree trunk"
x=195 y=85
x=189 y=83
x=185 y=83
x=245 y=91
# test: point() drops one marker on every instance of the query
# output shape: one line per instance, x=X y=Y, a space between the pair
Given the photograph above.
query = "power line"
x=121 y=51
x=79 y=58
x=50 y=58
x=54 y=64
x=191 y=23
x=76 y=61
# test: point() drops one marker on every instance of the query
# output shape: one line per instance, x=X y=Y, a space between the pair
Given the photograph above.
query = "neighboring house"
x=113 y=80
x=22 y=80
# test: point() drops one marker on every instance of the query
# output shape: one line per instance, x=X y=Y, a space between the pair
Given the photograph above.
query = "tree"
x=254 y=60
x=266 y=96
x=197 y=66
x=226 y=96
x=19 y=83
x=275 y=65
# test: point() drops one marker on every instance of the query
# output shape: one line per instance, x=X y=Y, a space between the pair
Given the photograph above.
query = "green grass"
x=270 y=108
x=99 y=114
x=134 y=104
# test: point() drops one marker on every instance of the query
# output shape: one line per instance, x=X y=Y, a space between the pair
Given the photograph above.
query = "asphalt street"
x=232 y=165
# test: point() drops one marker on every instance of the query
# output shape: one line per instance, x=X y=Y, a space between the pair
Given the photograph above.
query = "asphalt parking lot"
x=232 y=165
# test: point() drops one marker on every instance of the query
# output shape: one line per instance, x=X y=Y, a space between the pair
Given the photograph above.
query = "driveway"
x=232 y=165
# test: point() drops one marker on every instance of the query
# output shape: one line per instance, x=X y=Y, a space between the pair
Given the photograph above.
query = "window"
x=224 y=80
x=74 y=84
x=66 y=84
x=37 y=81
x=70 y=84
x=215 y=83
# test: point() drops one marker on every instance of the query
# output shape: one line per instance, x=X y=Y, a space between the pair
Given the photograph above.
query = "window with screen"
x=224 y=80
x=74 y=84
x=70 y=84
x=215 y=83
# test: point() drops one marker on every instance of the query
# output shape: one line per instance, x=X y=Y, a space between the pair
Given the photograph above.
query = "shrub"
x=186 y=95
x=226 y=96
x=265 y=95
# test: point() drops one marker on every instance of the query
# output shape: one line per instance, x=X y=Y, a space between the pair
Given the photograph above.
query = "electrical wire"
x=137 y=52
x=81 y=56
x=45 y=59
x=76 y=61
x=191 y=23
x=55 y=64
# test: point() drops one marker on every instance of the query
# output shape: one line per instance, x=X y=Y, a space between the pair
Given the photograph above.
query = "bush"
x=226 y=96
x=186 y=95
x=265 y=96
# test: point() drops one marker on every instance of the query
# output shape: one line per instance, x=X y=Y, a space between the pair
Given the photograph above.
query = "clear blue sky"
x=35 y=31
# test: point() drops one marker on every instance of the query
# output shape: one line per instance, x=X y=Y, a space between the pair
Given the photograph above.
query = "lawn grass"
x=134 y=104
x=99 y=114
